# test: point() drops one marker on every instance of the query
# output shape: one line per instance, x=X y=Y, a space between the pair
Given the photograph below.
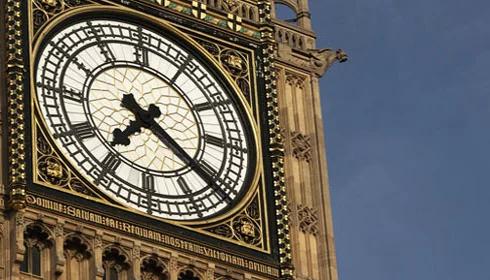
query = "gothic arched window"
x=32 y=260
x=79 y=261
x=188 y=275
x=153 y=269
x=37 y=255
x=115 y=264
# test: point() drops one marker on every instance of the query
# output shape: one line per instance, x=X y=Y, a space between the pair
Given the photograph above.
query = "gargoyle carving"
x=316 y=60
x=322 y=59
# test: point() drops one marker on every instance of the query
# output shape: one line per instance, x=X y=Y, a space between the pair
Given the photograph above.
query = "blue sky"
x=408 y=134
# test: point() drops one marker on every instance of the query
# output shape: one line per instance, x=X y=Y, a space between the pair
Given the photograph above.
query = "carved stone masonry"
x=322 y=59
x=318 y=61
x=301 y=145
x=307 y=219
x=210 y=274
x=59 y=230
x=295 y=80
x=98 y=241
x=136 y=252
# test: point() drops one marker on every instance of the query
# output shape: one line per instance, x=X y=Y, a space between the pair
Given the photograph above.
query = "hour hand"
x=129 y=102
x=146 y=117
x=143 y=118
x=121 y=137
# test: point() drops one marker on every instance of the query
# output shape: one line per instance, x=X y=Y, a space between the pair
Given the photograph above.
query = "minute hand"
x=166 y=139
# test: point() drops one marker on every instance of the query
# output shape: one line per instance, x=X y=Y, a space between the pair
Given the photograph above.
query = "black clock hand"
x=121 y=137
x=184 y=156
x=146 y=119
x=143 y=119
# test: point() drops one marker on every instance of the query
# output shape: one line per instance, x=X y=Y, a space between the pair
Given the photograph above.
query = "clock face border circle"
x=170 y=32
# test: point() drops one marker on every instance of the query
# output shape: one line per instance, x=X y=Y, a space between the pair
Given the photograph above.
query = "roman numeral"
x=184 y=186
x=203 y=107
x=228 y=187
x=82 y=130
x=208 y=169
x=141 y=52
x=141 y=55
x=104 y=47
x=148 y=182
x=213 y=140
x=235 y=145
x=181 y=69
x=109 y=164
x=208 y=106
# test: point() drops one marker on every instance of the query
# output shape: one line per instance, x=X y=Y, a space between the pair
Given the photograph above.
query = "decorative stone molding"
x=59 y=229
x=76 y=247
x=291 y=38
x=36 y=234
x=188 y=274
x=307 y=219
x=276 y=143
x=98 y=241
x=295 y=80
x=136 y=252
x=152 y=268
x=173 y=265
x=210 y=274
x=235 y=7
x=301 y=146
x=115 y=258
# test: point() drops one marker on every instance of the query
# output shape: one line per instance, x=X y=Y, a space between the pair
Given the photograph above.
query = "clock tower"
x=162 y=139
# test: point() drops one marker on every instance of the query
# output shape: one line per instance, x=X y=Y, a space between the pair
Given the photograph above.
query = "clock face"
x=144 y=119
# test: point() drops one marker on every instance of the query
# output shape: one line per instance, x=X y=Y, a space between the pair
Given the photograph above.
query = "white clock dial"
x=144 y=119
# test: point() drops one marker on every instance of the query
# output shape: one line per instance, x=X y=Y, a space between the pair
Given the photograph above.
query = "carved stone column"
x=2 y=182
x=60 y=256
x=210 y=272
x=305 y=165
x=173 y=268
x=3 y=234
x=98 y=250
x=304 y=16
x=17 y=247
x=326 y=233
x=136 y=255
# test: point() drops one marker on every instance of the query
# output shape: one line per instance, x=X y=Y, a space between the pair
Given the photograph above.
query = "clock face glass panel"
x=144 y=119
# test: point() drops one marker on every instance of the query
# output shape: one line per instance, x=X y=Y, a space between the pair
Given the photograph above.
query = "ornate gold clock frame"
x=57 y=225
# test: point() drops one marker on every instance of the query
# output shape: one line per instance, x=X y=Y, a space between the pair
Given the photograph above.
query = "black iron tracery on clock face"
x=179 y=147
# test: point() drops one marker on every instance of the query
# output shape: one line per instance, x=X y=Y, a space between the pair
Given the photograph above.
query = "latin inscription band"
x=161 y=238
